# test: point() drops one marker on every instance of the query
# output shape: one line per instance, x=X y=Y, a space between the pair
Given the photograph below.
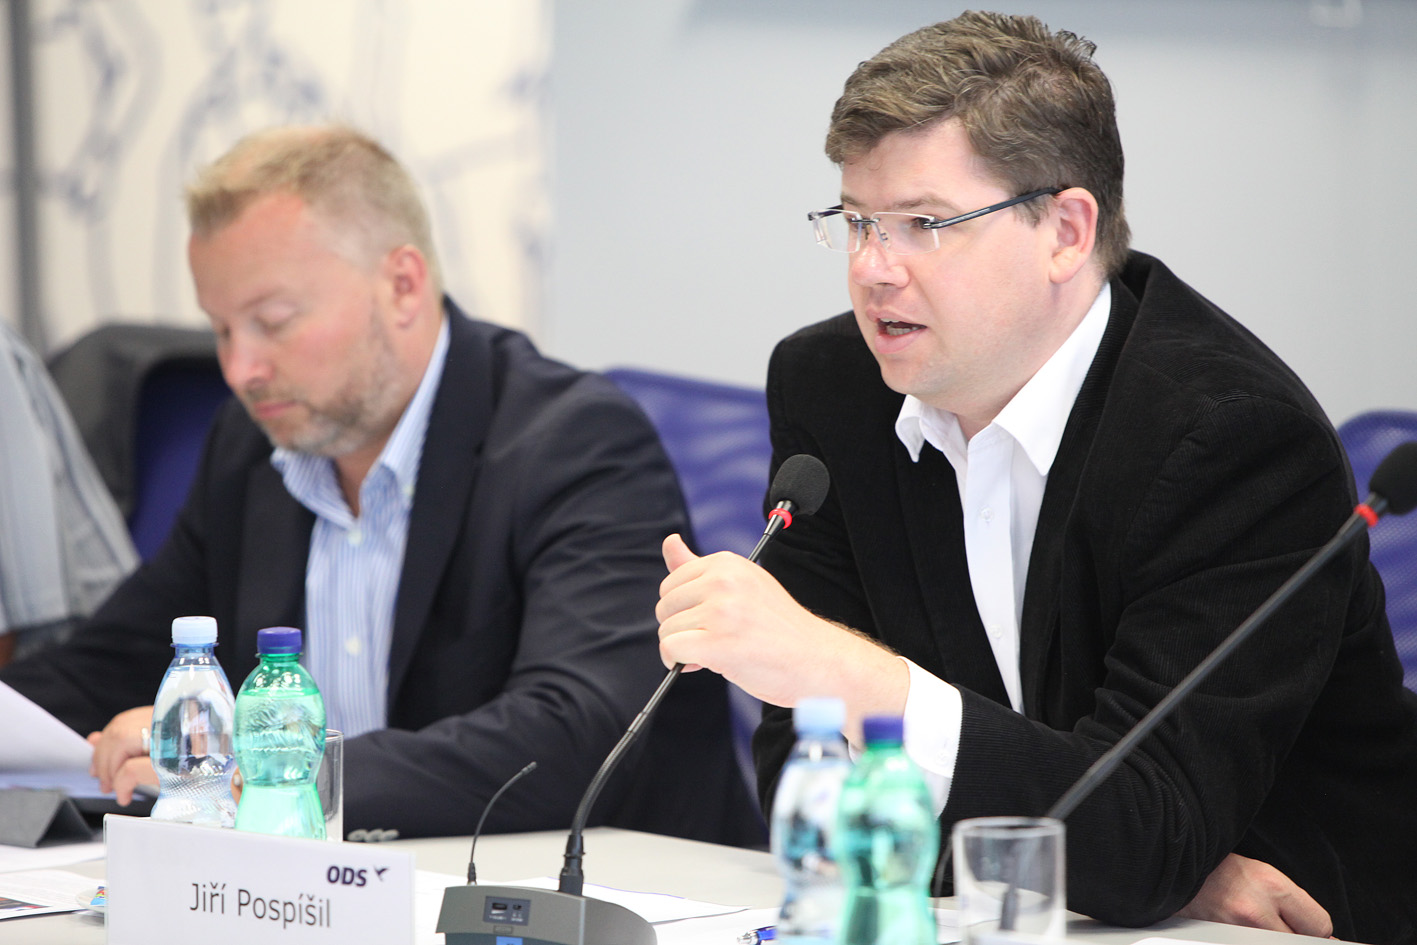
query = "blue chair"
x=716 y=436
x=1369 y=437
x=143 y=397
x=175 y=409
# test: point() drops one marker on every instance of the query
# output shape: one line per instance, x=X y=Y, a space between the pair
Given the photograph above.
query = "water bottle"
x=804 y=813
x=280 y=739
x=888 y=843
x=191 y=730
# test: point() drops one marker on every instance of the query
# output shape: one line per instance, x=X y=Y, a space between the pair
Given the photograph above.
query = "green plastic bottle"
x=280 y=740
x=887 y=842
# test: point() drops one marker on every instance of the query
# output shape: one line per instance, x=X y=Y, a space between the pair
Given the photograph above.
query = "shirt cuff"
x=934 y=713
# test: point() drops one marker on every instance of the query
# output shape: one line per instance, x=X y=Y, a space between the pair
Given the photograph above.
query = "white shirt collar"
x=1036 y=415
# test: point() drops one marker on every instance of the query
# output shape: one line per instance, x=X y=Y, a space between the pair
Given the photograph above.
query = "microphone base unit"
x=516 y=915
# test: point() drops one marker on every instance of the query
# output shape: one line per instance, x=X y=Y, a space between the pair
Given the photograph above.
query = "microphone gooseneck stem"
x=1109 y=760
x=778 y=519
x=572 y=878
x=1363 y=517
x=477 y=831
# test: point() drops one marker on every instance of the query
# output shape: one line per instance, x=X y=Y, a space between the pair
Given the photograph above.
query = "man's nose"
x=244 y=363
x=872 y=263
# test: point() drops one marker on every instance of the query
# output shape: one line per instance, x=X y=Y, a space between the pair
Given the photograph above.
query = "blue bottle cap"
x=193 y=631
x=819 y=715
x=883 y=729
x=277 y=640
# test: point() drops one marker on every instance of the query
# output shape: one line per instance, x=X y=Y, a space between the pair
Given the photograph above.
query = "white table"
x=638 y=861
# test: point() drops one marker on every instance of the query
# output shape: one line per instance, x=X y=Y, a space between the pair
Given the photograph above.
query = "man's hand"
x=725 y=613
x=120 y=755
x=1242 y=891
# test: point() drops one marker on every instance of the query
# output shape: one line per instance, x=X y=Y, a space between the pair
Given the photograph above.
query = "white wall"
x=132 y=95
x=1272 y=162
x=1271 y=159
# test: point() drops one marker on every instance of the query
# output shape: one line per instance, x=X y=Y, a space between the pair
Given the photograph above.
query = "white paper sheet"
x=428 y=888
x=43 y=891
x=61 y=854
x=35 y=740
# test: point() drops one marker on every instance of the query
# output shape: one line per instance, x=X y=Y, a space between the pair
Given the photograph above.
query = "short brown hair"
x=1038 y=111
x=346 y=177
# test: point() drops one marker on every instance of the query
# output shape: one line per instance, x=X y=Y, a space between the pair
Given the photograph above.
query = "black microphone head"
x=802 y=480
x=1395 y=479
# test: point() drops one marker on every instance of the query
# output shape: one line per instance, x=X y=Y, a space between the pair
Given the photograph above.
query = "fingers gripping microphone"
x=1392 y=490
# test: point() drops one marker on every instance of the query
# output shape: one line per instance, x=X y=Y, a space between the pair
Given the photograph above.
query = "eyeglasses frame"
x=814 y=215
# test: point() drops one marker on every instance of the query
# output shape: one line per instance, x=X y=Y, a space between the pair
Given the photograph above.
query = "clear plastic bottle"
x=804 y=816
x=280 y=739
x=191 y=743
x=889 y=840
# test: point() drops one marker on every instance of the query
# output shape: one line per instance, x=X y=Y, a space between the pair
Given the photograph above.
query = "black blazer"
x=524 y=624
x=1195 y=474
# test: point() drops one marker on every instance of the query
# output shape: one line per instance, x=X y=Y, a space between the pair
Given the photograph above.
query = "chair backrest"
x=716 y=436
x=175 y=410
x=143 y=397
x=1368 y=438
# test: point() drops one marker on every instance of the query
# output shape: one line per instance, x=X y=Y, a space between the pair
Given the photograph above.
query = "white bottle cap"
x=194 y=631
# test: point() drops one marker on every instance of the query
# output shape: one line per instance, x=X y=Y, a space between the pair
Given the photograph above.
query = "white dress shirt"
x=352 y=572
x=1002 y=471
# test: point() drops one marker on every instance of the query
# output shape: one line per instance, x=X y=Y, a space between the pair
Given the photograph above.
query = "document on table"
x=39 y=751
x=61 y=854
x=37 y=741
x=39 y=892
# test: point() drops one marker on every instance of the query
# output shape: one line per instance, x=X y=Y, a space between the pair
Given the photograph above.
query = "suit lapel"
x=447 y=470
x=1041 y=608
x=276 y=538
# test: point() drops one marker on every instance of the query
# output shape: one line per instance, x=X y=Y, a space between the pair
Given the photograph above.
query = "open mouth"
x=893 y=328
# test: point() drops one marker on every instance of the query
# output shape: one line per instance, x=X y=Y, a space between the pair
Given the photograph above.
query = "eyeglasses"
x=904 y=234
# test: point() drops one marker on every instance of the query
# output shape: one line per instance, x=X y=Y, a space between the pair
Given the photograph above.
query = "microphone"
x=800 y=486
x=1392 y=490
x=477 y=831
x=486 y=915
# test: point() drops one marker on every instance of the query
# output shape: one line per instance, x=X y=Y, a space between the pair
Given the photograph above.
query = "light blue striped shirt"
x=352 y=572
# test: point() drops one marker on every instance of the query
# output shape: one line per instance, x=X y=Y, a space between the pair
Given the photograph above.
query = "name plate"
x=227 y=887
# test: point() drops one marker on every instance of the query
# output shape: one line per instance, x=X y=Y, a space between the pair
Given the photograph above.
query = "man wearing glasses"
x=1060 y=477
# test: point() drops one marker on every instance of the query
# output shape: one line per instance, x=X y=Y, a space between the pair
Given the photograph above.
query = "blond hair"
x=344 y=176
x=1038 y=111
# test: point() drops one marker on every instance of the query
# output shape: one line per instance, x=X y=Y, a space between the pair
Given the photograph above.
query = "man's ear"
x=1074 y=223
x=405 y=271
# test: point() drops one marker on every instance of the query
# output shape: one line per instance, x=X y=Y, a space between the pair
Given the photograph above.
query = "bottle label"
x=225 y=887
